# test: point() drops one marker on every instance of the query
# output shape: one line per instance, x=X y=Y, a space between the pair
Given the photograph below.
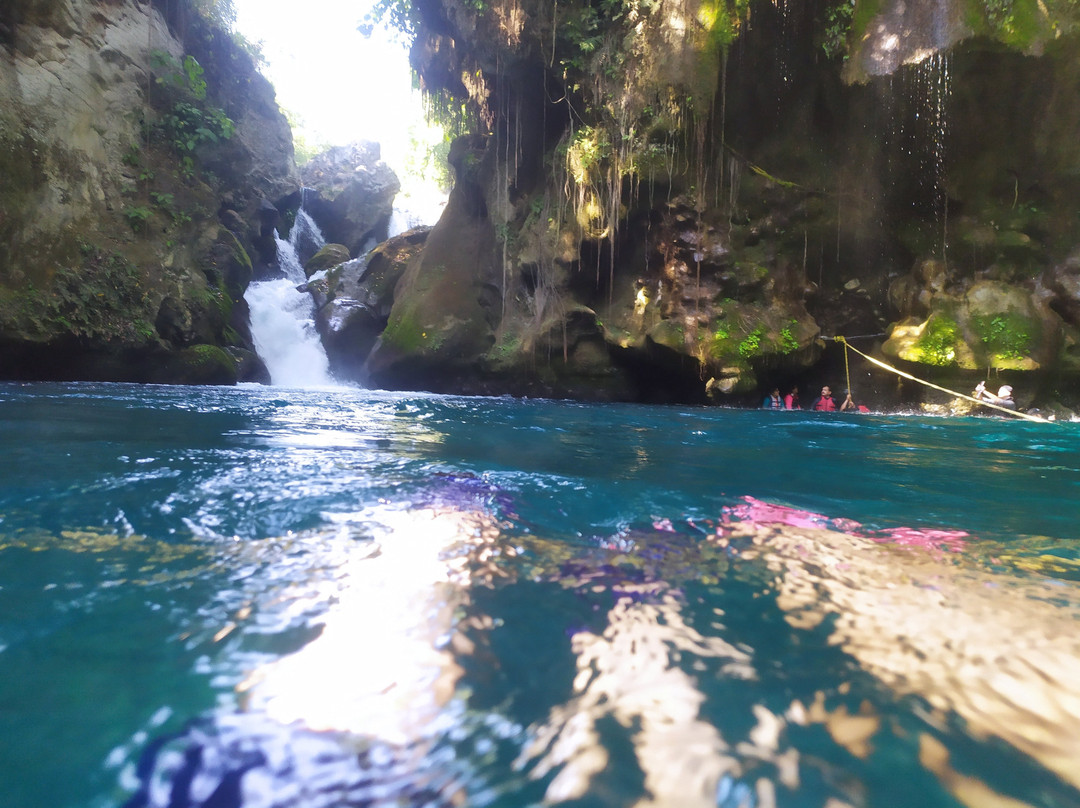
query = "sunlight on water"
x=395 y=598
x=256 y=597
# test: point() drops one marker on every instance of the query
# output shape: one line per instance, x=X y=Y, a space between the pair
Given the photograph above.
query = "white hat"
x=1004 y=391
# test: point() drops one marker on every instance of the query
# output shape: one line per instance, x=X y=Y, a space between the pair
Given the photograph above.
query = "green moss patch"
x=937 y=343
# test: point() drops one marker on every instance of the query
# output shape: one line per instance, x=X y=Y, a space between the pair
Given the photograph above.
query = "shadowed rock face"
x=126 y=233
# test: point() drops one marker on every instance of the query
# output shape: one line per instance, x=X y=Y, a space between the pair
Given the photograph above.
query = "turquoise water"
x=255 y=596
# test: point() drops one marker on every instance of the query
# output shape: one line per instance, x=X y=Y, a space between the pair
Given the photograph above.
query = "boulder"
x=349 y=330
x=350 y=193
x=328 y=257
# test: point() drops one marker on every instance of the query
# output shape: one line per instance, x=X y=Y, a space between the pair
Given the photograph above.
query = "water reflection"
x=664 y=701
x=628 y=672
x=377 y=667
x=998 y=652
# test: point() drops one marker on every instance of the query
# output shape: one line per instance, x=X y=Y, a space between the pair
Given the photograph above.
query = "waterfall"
x=283 y=319
x=419 y=208
x=399 y=222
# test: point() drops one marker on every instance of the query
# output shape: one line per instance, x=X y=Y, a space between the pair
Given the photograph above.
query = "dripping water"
x=939 y=89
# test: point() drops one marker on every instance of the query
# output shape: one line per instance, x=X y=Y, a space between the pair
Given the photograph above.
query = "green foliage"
x=453 y=116
x=1004 y=335
x=166 y=203
x=861 y=17
x=586 y=151
x=580 y=36
x=788 y=343
x=718 y=342
x=504 y=234
x=304 y=148
x=396 y=14
x=723 y=19
x=137 y=216
x=187 y=127
x=937 y=343
x=751 y=344
x=1020 y=23
x=191 y=122
x=186 y=75
x=220 y=12
x=102 y=298
x=834 y=35
x=132 y=156
x=426 y=160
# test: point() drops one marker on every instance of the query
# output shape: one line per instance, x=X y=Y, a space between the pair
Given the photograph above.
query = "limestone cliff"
x=677 y=200
x=137 y=142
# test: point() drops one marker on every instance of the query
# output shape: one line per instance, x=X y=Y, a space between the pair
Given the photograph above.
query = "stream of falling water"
x=283 y=318
x=931 y=86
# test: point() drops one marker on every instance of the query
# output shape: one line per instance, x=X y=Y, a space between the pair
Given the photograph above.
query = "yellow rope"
x=899 y=372
x=847 y=372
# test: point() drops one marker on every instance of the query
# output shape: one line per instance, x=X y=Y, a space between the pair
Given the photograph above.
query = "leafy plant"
x=187 y=127
x=166 y=203
x=750 y=344
x=1005 y=335
x=397 y=14
x=131 y=156
x=102 y=298
x=137 y=216
x=186 y=75
x=937 y=344
x=788 y=343
x=837 y=24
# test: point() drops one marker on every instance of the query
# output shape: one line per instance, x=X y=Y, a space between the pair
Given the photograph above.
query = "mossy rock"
x=1008 y=328
x=327 y=258
x=385 y=266
x=669 y=334
x=937 y=341
x=203 y=364
x=230 y=263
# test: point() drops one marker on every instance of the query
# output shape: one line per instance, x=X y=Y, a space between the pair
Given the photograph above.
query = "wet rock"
x=200 y=364
x=349 y=330
x=328 y=257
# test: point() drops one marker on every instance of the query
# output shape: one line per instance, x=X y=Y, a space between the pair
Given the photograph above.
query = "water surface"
x=261 y=596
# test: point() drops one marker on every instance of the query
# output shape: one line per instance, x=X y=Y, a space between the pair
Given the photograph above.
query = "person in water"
x=791 y=400
x=849 y=404
x=825 y=402
x=1004 y=397
x=773 y=401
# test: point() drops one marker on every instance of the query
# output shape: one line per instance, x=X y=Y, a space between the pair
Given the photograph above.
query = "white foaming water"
x=283 y=319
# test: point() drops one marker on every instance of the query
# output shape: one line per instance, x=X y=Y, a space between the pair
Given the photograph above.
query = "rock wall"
x=126 y=232
x=661 y=211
